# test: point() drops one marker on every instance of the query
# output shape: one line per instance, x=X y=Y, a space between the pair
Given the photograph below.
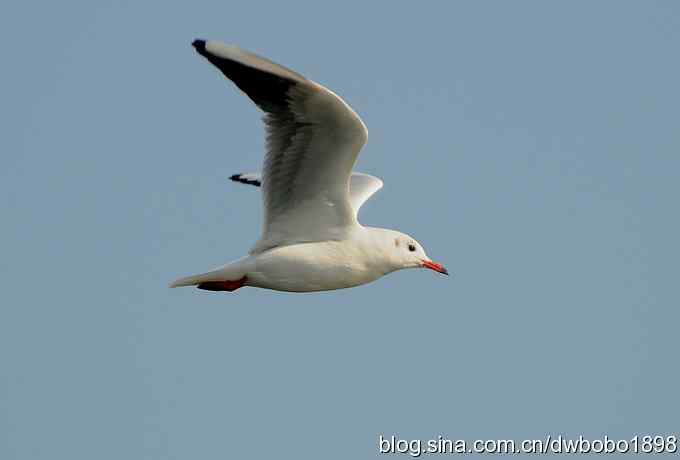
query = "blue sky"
x=531 y=147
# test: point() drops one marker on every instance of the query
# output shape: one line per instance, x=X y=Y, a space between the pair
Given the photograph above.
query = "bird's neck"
x=378 y=243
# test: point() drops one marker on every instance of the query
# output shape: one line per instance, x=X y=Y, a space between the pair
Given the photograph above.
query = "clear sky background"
x=532 y=147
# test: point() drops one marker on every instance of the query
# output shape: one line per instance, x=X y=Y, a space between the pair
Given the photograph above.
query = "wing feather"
x=312 y=137
x=361 y=186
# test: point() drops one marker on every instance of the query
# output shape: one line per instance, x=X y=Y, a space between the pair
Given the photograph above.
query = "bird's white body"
x=312 y=240
x=320 y=266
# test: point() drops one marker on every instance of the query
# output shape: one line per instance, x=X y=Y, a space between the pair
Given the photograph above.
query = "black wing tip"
x=199 y=45
x=243 y=180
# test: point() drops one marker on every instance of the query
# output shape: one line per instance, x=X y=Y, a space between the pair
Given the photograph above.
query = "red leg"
x=222 y=285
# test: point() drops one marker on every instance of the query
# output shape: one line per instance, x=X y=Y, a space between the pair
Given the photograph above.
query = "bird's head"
x=406 y=252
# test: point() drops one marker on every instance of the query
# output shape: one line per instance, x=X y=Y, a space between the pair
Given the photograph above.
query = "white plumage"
x=361 y=186
x=311 y=237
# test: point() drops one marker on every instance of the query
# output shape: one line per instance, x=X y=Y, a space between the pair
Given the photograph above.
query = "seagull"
x=311 y=238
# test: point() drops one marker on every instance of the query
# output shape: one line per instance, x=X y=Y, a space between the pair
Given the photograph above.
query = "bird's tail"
x=194 y=280
x=226 y=278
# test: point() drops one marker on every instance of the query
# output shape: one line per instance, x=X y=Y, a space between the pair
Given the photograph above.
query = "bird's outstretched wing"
x=361 y=186
x=313 y=139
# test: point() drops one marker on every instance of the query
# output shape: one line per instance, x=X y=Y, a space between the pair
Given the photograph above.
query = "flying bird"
x=311 y=239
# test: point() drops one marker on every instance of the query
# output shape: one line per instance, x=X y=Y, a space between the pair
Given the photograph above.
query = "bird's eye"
x=412 y=247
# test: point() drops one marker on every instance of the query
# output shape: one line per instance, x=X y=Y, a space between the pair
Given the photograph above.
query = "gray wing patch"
x=361 y=186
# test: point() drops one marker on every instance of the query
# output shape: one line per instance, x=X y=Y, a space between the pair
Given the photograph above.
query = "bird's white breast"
x=315 y=267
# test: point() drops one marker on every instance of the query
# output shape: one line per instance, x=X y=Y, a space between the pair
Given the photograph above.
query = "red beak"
x=435 y=266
